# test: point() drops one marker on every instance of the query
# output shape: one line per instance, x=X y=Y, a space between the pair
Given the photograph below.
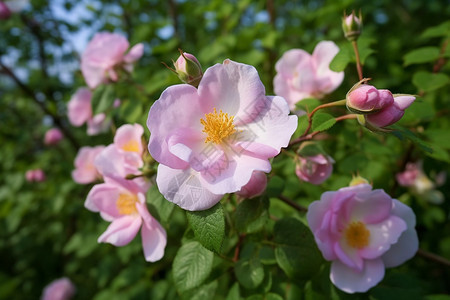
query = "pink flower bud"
x=255 y=187
x=53 y=136
x=188 y=69
x=391 y=113
x=60 y=289
x=366 y=98
x=352 y=26
x=314 y=169
x=409 y=176
x=36 y=175
x=5 y=13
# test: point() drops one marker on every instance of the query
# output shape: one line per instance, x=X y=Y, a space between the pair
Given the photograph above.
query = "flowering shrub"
x=172 y=173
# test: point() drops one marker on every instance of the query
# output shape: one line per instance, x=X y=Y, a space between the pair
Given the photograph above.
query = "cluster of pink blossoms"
x=119 y=200
x=210 y=140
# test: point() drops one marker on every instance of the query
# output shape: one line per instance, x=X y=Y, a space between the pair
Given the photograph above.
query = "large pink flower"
x=122 y=202
x=104 y=54
x=362 y=231
x=301 y=75
x=85 y=170
x=209 y=140
x=60 y=289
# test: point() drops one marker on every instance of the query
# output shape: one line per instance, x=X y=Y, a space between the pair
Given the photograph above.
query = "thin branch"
x=434 y=257
x=358 y=60
x=311 y=114
x=292 y=203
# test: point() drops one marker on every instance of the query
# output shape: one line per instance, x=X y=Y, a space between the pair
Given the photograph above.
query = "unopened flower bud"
x=255 y=187
x=5 y=12
x=188 y=69
x=366 y=99
x=352 y=26
x=53 y=136
x=314 y=169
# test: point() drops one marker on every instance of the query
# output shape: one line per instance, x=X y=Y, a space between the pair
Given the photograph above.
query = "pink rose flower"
x=409 y=175
x=255 y=187
x=85 y=170
x=79 y=111
x=301 y=75
x=122 y=202
x=79 y=108
x=60 y=289
x=209 y=140
x=362 y=231
x=314 y=169
x=104 y=54
x=53 y=136
x=36 y=175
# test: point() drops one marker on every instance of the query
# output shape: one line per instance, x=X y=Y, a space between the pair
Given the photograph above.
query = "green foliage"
x=209 y=227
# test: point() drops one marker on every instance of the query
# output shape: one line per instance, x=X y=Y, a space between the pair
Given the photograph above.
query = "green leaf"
x=234 y=293
x=191 y=266
x=103 y=98
x=402 y=133
x=302 y=125
x=427 y=81
x=208 y=226
x=275 y=186
x=322 y=121
x=159 y=207
x=296 y=251
x=437 y=31
x=131 y=111
x=249 y=273
x=251 y=214
x=341 y=60
x=311 y=149
x=206 y=291
x=421 y=55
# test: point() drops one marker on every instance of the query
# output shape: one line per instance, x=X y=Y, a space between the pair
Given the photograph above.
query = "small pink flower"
x=104 y=54
x=79 y=108
x=36 y=175
x=5 y=13
x=85 y=170
x=124 y=156
x=53 y=136
x=60 y=289
x=409 y=176
x=122 y=202
x=362 y=231
x=255 y=187
x=79 y=111
x=301 y=75
x=209 y=140
x=391 y=113
x=314 y=169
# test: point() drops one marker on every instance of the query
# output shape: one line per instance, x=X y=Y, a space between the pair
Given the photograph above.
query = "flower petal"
x=183 y=187
x=371 y=207
x=121 y=231
x=350 y=281
x=134 y=54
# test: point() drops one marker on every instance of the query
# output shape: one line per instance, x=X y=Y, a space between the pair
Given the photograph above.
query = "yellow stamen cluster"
x=126 y=204
x=217 y=126
x=357 y=235
x=132 y=146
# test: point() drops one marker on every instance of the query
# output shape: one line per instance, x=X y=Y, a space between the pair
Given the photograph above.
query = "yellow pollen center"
x=132 y=146
x=126 y=204
x=357 y=235
x=217 y=126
